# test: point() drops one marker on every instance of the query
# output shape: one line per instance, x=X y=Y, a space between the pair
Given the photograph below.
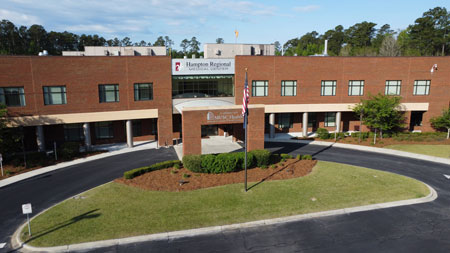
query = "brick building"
x=100 y=99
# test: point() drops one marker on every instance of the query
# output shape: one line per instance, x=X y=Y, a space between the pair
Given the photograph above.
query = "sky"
x=264 y=21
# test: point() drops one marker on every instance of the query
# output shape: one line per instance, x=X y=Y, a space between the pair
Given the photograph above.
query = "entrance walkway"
x=214 y=145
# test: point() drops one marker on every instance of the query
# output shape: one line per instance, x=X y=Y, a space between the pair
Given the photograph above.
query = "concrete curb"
x=218 y=229
x=33 y=173
x=369 y=149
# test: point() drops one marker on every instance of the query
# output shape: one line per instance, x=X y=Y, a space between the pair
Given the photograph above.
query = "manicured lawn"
x=433 y=150
x=115 y=210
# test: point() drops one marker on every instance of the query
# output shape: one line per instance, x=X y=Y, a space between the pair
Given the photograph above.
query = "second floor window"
x=328 y=88
x=108 y=93
x=355 y=88
x=12 y=96
x=421 y=87
x=393 y=88
x=143 y=91
x=288 y=88
x=260 y=88
x=55 y=95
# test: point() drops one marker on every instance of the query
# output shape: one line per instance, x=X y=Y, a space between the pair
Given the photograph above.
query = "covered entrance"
x=221 y=121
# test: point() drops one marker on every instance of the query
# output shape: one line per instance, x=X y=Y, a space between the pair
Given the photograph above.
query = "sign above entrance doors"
x=224 y=117
x=202 y=67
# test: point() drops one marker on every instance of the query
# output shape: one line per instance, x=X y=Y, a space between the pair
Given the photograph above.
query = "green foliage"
x=224 y=163
x=442 y=122
x=306 y=157
x=69 y=150
x=193 y=163
x=207 y=163
x=186 y=175
x=298 y=157
x=157 y=166
x=176 y=166
x=262 y=157
x=323 y=133
x=286 y=156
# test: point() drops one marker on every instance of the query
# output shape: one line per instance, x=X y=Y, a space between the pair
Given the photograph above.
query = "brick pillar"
x=165 y=136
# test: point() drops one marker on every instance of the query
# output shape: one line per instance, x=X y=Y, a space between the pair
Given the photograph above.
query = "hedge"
x=226 y=162
x=157 y=166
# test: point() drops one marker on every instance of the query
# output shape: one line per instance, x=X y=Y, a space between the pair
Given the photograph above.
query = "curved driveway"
x=416 y=228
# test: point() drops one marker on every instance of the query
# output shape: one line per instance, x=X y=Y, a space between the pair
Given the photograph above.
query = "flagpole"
x=245 y=126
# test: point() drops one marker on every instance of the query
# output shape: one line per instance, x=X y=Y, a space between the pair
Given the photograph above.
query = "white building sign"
x=202 y=67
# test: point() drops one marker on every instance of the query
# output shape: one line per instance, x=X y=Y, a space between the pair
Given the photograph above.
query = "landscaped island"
x=123 y=208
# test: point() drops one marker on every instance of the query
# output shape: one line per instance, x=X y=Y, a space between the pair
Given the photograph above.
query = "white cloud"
x=306 y=8
x=89 y=28
x=19 y=18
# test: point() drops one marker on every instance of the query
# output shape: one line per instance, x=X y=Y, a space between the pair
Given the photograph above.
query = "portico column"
x=87 y=135
x=129 y=127
x=338 y=122
x=305 y=124
x=272 y=125
x=40 y=138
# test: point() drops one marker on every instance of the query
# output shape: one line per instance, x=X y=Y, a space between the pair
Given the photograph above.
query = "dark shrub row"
x=227 y=162
x=157 y=166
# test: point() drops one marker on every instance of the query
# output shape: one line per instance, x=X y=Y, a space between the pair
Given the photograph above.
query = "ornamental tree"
x=381 y=113
x=442 y=122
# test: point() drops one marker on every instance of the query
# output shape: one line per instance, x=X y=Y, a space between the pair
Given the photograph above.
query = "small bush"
x=157 y=166
x=323 y=133
x=273 y=166
x=299 y=157
x=306 y=157
x=241 y=160
x=207 y=162
x=262 y=157
x=264 y=167
x=193 y=163
x=274 y=158
x=186 y=175
x=225 y=163
x=69 y=150
x=286 y=156
x=176 y=166
x=283 y=160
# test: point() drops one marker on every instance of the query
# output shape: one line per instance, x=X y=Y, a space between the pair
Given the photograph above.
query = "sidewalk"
x=113 y=149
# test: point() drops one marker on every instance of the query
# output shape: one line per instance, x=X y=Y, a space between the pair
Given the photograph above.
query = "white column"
x=272 y=125
x=305 y=124
x=40 y=138
x=338 y=122
x=87 y=135
x=129 y=127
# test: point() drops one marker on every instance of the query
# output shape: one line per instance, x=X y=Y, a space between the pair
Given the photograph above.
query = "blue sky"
x=257 y=21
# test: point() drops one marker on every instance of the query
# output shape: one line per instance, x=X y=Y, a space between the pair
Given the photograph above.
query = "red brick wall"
x=310 y=71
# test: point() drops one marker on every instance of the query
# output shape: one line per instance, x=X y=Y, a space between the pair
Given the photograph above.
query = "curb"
x=37 y=172
x=218 y=229
x=369 y=149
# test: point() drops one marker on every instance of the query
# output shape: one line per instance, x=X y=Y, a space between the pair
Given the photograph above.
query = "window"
x=421 y=87
x=73 y=132
x=55 y=95
x=330 y=119
x=355 y=88
x=108 y=93
x=154 y=126
x=328 y=88
x=104 y=130
x=137 y=127
x=12 y=96
x=288 y=88
x=393 y=87
x=143 y=91
x=260 y=88
x=312 y=119
x=284 y=120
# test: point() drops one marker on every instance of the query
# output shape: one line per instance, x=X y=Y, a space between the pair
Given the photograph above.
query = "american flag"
x=245 y=97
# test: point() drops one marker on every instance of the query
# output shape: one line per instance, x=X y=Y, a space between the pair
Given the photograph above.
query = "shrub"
x=225 y=163
x=306 y=157
x=262 y=157
x=207 y=163
x=274 y=158
x=157 y=166
x=193 y=163
x=286 y=156
x=241 y=159
x=69 y=150
x=176 y=166
x=299 y=157
x=186 y=175
x=323 y=133
x=273 y=166
x=264 y=167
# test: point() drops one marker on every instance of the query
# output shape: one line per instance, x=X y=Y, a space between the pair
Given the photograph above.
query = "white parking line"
x=2 y=245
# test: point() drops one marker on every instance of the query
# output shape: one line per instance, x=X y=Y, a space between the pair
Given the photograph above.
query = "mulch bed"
x=165 y=180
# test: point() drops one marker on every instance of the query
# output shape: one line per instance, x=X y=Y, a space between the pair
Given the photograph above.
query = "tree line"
x=428 y=36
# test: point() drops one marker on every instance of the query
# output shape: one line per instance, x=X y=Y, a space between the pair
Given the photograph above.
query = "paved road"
x=416 y=228
x=48 y=189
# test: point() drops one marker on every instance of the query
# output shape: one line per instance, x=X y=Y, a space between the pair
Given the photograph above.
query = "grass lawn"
x=432 y=150
x=115 y=210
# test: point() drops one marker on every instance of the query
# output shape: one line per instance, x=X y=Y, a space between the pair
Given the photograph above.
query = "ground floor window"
x=312 y=119
x=210 y=130
x=104 y=130
x=73 y=132
x=416 y=119
x=330 y=119
x=155 y=126
x=284 y=120
x=137 y=127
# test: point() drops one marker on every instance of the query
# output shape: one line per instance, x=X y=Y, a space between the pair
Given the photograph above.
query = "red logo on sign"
x=177 y=66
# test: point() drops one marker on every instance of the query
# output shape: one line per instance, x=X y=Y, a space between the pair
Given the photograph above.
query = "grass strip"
x=432 y=150
x=115 y=210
